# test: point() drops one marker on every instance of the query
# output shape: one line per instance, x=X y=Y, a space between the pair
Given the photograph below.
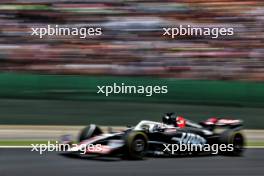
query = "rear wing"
x=223 y=122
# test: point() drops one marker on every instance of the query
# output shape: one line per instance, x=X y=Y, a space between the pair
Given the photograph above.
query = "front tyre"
x=136 y=145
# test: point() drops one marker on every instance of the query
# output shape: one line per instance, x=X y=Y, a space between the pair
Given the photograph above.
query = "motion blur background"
x=53 y=80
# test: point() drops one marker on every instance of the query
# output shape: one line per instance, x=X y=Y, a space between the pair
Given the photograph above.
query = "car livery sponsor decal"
x=190 y=138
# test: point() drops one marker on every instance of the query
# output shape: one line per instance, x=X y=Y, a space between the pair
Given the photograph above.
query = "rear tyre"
x=235 y=138
x=89 y=131
x=136 y=145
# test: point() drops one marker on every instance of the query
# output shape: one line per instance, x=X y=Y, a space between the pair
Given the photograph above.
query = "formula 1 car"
x=159 y=138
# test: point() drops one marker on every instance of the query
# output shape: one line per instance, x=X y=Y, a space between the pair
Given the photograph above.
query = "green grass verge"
x=24 y=143
x=255 y=143
x=107 y=113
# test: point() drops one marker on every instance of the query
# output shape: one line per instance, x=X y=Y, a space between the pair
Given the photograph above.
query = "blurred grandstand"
x=132 y=42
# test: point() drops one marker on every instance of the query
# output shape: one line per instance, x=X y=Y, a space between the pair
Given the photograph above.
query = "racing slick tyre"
x=89 y=131
x=136 y=145
x=235 y=138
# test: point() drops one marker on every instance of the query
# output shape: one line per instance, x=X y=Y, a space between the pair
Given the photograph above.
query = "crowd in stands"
x=132 y=42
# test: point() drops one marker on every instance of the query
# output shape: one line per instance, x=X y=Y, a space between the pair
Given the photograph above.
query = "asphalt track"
x=22 y=162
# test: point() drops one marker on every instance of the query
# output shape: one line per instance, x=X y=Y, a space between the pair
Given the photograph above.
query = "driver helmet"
x=180 y=121
x=169 y=118
x=173 y=119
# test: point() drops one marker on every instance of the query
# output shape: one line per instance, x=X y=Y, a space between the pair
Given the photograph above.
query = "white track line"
x=255 y=147
x=16 y=147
